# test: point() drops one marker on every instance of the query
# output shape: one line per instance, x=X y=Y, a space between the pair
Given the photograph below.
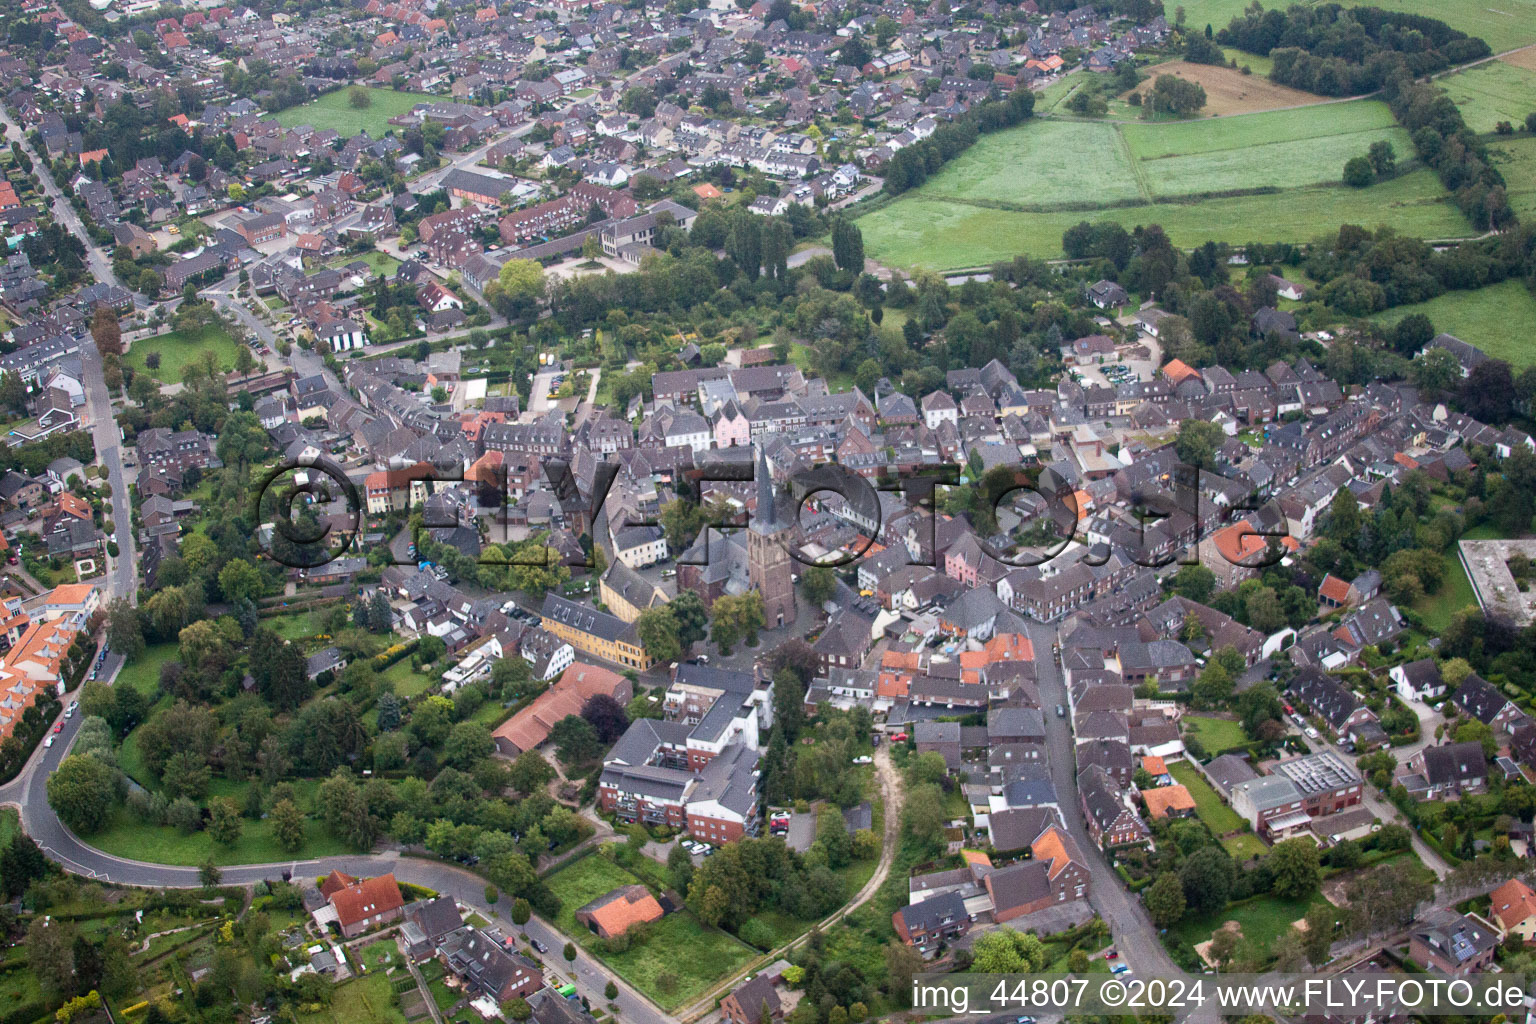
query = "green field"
x=1455 y=593
x=679 y=959
x=1516 y=160
x=334 y=110
x=1493 y=92
x=1280 y=148
x=1217 y=734
x=143 y=673
x=127 y=836
x=1024 y=165
x=1218 y=817
x=1012 y=193
x=366 y=1000
x=1261 y=919
x=177 y=349
x=1496 y=319
x=1504 y=26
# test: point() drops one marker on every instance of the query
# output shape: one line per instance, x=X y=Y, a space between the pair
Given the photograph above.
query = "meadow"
x=940 y=234
x=1496 y=319
x=1516 y=160
x=1493 y=92
x=335 y=110
x=1012 y=192
x=178 y=348
x=1504 y=26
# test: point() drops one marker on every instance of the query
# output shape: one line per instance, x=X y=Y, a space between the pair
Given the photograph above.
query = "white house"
x=639 y=546
x=342 y=335
x=938 y=407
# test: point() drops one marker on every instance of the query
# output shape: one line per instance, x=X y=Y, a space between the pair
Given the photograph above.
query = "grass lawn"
x=1218 y=817
x=376 y=955
x=143 y=673
x=366 y=1000
x=1455 y=593
x=1217 y=734
x=1261 y=919
x=10 y=824
x=1495 y=319
x=298 y=626
x=1245 y=846
x=679 y=959
x=178 y=349
x=408 y=682
x=335 y=110
x=381 y=262
x=126 y=836
x=1493 y=92
x=935 y=233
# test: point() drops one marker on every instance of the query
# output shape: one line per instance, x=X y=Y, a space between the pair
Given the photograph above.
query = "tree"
x=344 y=810
x=569 y=952
x=521 y=911
x=208 y=873
x=1195 y=582
x=1383 y=158
x=607 y=717
x=224 y=821
x=240 y=580
x=1174 y=95
x=1295 y=867
x=819 y=584
x=737 y=617
x=1197 y=443
x=467 y=743
x=107 y=332
x=575 y=740
x=1265 y=613
x=51 y=956
x=359 y=98
x=847 y=245
x=1207 y=876
x=1006 y=951
x=1165 y=900
x=1318 y=936
x=1358 y=172
x=1435 y=370
x=530 y=773
x=657 y=630
x=81 y=791
x=287 y=825
x=125 y=630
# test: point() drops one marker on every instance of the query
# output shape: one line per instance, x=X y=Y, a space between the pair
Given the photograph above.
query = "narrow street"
x=122 y=578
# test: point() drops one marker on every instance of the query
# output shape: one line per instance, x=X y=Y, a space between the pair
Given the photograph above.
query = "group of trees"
x=1379 y=162
x=1345 y=51
x=910 y=167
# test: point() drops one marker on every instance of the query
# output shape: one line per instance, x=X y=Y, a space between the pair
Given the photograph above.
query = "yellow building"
x=595 y=633
x=626 y=593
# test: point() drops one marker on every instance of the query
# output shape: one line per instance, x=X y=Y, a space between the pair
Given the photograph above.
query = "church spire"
x=766 y=517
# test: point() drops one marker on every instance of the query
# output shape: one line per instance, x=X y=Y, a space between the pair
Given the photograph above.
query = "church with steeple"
x=769 y=566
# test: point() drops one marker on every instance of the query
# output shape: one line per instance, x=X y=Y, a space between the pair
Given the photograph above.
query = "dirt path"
x=890 y=796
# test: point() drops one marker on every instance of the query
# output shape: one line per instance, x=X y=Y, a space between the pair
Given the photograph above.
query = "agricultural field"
x=335 y=110
x=679 y=957
x=939 y=234
x=1229 y=91
x=1493 y=92
x=179 y=348
x=1281 y=149
x=1516 y=160
x=1027 y=166
x=1496 y=319
x=1011 y=192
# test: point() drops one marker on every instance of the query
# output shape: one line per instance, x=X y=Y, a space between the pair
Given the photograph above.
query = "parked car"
x=1061 y=711
x=1113 y=954
x=59 y=727
x=539 y=946
x=48 y=742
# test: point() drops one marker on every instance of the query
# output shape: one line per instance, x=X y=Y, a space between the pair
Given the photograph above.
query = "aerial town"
x=704 y=513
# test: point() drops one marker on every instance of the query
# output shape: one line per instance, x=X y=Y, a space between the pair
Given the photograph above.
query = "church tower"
x=769 y=566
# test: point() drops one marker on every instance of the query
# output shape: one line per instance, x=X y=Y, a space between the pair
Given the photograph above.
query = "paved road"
x=1135 y=936
x=122 y=578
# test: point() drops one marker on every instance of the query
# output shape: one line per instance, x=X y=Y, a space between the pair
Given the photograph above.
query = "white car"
x=49 y=741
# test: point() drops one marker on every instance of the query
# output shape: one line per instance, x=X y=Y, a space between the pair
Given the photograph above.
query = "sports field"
x=335 y=110
x=1496 y=319
x=1493 y=92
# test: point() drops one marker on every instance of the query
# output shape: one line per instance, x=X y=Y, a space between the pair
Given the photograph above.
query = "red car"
x=59 y=727
x=900 y=737
x=1112 y=955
